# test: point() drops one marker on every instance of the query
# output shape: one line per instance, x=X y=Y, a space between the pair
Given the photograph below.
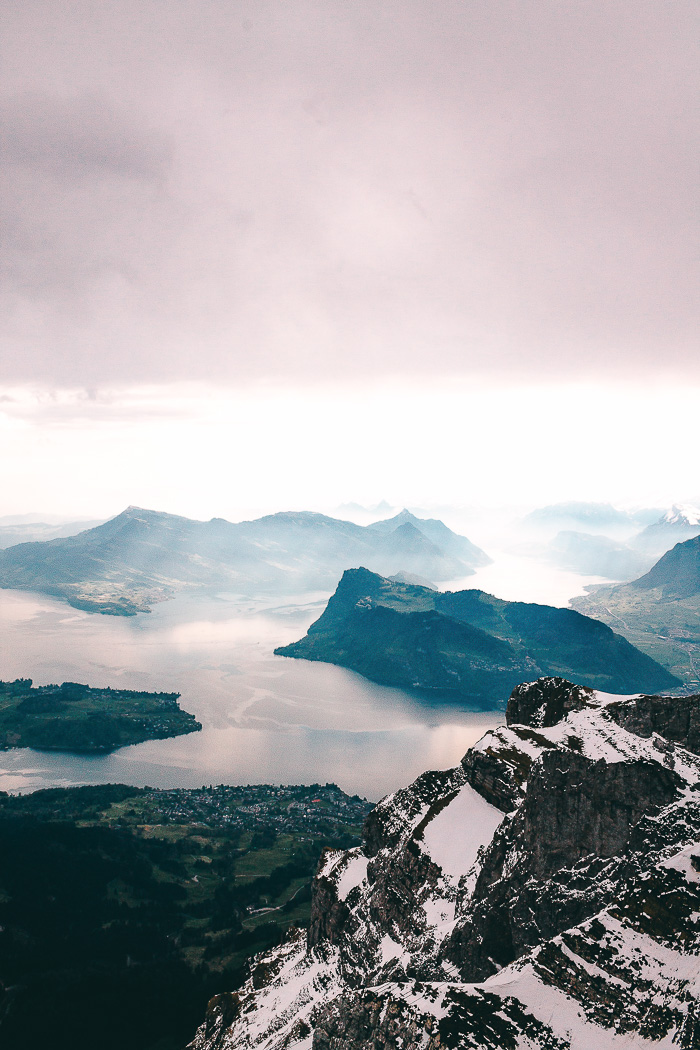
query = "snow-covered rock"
x=545 y=893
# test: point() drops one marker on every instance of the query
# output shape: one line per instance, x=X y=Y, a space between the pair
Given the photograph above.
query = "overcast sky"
x=393 y=206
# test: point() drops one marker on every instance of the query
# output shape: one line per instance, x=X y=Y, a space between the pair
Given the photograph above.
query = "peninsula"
x=74 y=717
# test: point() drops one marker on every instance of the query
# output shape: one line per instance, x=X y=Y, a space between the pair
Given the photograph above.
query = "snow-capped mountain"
x=682 y=514
x=545 y=893
x=681 y=522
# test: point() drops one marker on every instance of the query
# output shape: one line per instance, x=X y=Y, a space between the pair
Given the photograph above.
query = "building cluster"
x=292 y=809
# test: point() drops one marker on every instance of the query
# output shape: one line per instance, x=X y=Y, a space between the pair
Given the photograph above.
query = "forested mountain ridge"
x=466 y=645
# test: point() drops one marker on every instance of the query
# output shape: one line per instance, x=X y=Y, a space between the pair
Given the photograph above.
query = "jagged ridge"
x=544 y=893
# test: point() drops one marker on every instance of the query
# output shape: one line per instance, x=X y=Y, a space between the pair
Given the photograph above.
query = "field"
x=668 y=631
x=123 y=910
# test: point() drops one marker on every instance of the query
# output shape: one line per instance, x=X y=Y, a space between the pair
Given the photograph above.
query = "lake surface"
x=520 y=579
x=266 y=719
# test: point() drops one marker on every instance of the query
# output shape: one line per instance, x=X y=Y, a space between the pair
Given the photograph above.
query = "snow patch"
x=389 y=949
x=454 y=836
x=682 y=862
x=352 y=875
x=613 y=698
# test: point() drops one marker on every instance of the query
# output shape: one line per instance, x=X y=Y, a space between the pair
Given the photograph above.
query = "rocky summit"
x=545 y=893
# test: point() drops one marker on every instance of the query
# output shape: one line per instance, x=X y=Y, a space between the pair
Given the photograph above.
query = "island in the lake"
x=74 y=717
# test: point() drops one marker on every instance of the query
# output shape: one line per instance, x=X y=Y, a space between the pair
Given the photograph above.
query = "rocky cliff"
x=545 y=893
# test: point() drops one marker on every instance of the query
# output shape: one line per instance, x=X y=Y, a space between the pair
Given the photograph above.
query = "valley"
x=116 y=896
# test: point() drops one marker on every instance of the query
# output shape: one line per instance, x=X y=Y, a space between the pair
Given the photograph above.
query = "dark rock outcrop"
x=574 y=808
x=329 y=916
x=545 y=702
x=677 y=719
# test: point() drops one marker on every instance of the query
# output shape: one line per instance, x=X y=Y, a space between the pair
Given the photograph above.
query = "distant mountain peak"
x=682 y=514
x=677 y=572
x=398 y=519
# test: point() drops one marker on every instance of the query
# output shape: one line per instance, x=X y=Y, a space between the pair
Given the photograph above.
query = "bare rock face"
x=575 y=809
x=544 y=893
x=676 y=719
x=546 y=702
x=375 y=1019
x=329 y=916
x=222 y=1011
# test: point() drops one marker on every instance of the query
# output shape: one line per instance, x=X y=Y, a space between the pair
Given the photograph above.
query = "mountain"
x=659 y=612
x=677 y=573
x=357 y=508
x=542 y=895
x=681 y=522
x=438 y=532
x=595 y=556
x=143 y=556
x=466 y=645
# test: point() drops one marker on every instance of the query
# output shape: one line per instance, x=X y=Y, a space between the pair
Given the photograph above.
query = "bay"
x=266 y=719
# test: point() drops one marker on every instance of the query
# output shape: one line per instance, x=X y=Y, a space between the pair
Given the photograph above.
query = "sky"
x=290 y=254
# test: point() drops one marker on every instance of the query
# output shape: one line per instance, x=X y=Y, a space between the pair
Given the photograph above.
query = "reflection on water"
x=265 y=718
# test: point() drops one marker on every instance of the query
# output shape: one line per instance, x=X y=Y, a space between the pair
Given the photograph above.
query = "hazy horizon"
x=263 y=256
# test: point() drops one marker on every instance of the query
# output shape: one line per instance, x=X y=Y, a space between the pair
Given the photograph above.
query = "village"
x=305 y=811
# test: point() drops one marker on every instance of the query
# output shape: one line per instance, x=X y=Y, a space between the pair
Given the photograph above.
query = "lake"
x=266 y=719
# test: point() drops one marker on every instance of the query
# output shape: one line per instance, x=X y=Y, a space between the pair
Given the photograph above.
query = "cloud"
x=205 y=450
x=328 y=191
x=80 y=138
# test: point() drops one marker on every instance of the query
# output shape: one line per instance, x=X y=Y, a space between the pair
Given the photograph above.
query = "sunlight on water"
x=520 y=579
x=265 y=718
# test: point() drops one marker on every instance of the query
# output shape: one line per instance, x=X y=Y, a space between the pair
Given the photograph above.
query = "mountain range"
x=33 y=531
x=143 y=556
x=466 y=645
x=542 y=895
x=591 y=517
